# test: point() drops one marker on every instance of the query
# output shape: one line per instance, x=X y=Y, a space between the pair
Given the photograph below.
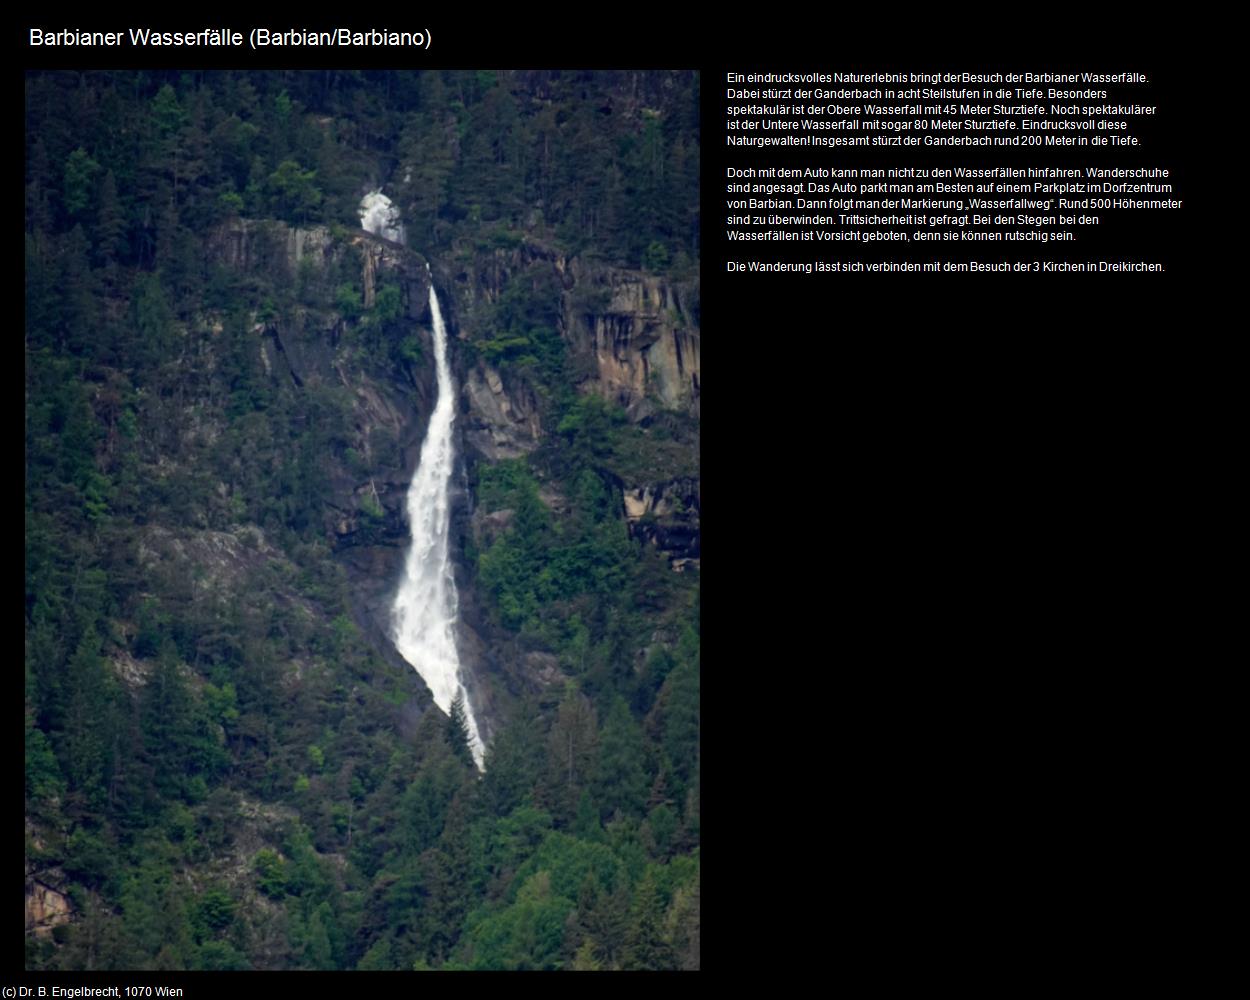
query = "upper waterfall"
x=378 y=215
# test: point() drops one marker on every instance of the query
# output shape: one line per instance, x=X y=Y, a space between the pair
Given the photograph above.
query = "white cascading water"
x=425 y=607
x=380 y=217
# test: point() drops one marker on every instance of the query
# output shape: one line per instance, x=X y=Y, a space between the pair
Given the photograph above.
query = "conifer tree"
x=645 y=945
x=608 y=925
x=622 y=779
x=458 y=737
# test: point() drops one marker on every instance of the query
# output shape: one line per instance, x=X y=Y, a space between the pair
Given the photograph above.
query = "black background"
x=931 y=503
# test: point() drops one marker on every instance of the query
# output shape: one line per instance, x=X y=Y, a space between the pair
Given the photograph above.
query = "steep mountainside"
x=228 y=765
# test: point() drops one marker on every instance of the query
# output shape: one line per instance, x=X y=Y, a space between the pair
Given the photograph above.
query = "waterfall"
x=380 y=217
x=424 y=613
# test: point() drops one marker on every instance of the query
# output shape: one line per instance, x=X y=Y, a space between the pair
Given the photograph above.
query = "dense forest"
x=225 y=766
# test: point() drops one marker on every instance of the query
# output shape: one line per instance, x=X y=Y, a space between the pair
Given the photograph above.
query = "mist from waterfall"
x=379 y=216
x=426 y=604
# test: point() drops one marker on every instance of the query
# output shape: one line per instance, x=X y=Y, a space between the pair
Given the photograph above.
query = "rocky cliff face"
x=642 y=337
x=631 y=338
x=666 y=515
x=365 y=516
x=46 y=907
x=499 y=422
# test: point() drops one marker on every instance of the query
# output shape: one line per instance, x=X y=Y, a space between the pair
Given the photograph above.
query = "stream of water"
x=425 y=609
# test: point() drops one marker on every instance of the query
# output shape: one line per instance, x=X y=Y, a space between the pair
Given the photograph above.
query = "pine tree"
x=577 y=926
x=645 y=945
x=622 y=779
x=85 y=739
x=165 y=715
x=682 y=925
x=608 y=925
x=458 y=737
x=677 y=714
x=572 y=753
x=39 y=187
x=317 y=953
x=513 y=761
x=586 y=823
x=110 y=229
x=441 y=917
x=80 y=171
x=584 y=960
x=79 y=297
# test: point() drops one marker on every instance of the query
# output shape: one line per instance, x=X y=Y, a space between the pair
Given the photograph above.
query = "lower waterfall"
x=426 y=604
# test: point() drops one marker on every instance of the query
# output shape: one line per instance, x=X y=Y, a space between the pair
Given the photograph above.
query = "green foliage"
x=678 y=711
x=622 y=778
x=216 y=909
x=588 y=431
x=655 y=258
x=222 y=956
x=347 y=301
x=458 y=735
x=515 y=837
x=504 y=483
x=371 y=508
x=513 y=762
x=167 y=113
x=90 y=857
x=568 y=861
x=387 y=305
x=528 y=934
x=155 y=913
x=586 y=824
x=532 y=565
x=682 y=925
x=154 y=321
x=520 y=333
x=271 y=873
x=86 y=721
x=80 y=171
x=662 y=825
x=222 y=705
x=43 y=774
x=378 y=958
x=645 y=944
x=230 y=202
x=194 y=683
x=409 y=350
x=178 y=729
x=292 y=193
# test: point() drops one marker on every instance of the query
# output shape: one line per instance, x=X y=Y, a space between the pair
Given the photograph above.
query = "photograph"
x=362 y=519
